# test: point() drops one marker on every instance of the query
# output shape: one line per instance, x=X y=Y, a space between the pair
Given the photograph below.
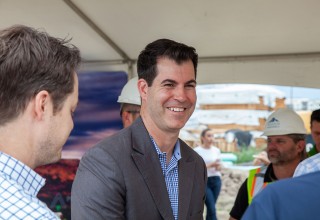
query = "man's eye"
x=190 y=86
x=168 y=85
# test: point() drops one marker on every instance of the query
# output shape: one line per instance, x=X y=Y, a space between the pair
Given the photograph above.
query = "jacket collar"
x=147 y=161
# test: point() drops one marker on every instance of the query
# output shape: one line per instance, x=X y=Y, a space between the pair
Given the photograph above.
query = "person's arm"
x=98 y=191
x=216 y=165
x=241 y=202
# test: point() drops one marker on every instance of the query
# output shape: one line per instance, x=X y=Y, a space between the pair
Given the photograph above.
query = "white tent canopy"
x=266 y=42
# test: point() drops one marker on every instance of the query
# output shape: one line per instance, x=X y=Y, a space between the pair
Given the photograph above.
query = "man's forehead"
x=191 y=81
x=278 y=137
x=165 y=63
x=315 y=124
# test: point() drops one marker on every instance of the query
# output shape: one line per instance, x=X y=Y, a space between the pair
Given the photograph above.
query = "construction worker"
x=285 y=133
x=130 y=102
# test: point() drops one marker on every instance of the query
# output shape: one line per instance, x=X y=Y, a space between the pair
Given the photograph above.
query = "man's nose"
x=271 y=145
x=180 y=94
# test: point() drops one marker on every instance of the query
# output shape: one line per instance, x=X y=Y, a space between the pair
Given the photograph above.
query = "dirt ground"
x=231 y=182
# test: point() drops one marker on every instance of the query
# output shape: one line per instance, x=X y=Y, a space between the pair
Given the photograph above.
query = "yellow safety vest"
x=255 y=182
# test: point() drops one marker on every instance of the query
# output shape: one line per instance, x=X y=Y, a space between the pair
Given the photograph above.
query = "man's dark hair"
x=297 y=137
x=163 y=48
x=32 y=61
x=315 y=116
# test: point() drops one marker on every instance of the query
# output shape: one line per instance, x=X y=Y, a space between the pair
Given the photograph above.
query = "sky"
x=290 y=92
x=299 y=92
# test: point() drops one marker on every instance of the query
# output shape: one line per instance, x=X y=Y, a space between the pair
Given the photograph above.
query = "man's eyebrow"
x=191 y=81
x=168 y=81
x=173 y=81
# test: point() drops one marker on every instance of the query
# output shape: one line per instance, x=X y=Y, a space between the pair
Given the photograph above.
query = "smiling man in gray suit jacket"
x=145 y=171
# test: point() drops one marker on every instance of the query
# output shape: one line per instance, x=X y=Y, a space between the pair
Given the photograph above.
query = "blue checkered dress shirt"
x=19 y=186
x=170 y=173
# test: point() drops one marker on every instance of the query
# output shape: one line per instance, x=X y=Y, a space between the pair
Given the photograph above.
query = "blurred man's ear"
x=41 y=103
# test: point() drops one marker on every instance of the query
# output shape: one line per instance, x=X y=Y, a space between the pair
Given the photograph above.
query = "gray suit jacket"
x=121 y=178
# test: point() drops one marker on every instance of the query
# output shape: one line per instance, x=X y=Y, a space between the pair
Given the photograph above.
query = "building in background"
x=235 y=112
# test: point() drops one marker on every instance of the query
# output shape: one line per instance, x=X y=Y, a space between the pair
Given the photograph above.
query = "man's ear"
x=301 y=145
x=143 y=88
x=126 y=119
x=42 y=102
x=125 y=115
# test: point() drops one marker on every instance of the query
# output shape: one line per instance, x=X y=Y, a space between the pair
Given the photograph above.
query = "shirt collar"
x=21 y=173
x=176 y=150
x=269 y=175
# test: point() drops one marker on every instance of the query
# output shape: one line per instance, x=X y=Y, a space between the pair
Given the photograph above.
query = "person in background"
x=145 y=171
x=212 y=157
x=38 y=95
x=261 y=159
x=311 y=164
x=130 y=102
x=285 y=133
x=315 y=132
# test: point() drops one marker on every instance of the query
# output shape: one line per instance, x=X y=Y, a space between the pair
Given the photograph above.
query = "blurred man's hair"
x=32 y=61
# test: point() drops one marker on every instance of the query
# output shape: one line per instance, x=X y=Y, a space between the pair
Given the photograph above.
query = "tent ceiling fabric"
x=268 y=42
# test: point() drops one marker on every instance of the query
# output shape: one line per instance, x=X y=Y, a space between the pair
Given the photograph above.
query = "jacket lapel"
x=146 y=160
x=186 y=179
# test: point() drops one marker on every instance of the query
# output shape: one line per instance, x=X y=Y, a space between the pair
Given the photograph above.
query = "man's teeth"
x=177 y=109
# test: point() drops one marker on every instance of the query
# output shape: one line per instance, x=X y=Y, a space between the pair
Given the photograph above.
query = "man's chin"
x=175 y=128
x=274 y=160
x=56 y=158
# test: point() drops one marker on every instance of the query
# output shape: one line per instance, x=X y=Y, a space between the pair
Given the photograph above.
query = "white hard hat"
x=130 y=93
x=284 y=121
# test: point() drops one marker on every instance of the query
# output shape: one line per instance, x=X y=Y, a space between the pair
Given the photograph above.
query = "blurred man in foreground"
x=295 y=199
x=38 y=95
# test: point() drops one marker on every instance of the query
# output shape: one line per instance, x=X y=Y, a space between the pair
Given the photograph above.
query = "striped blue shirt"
x=170 y=173
x=19 y=186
